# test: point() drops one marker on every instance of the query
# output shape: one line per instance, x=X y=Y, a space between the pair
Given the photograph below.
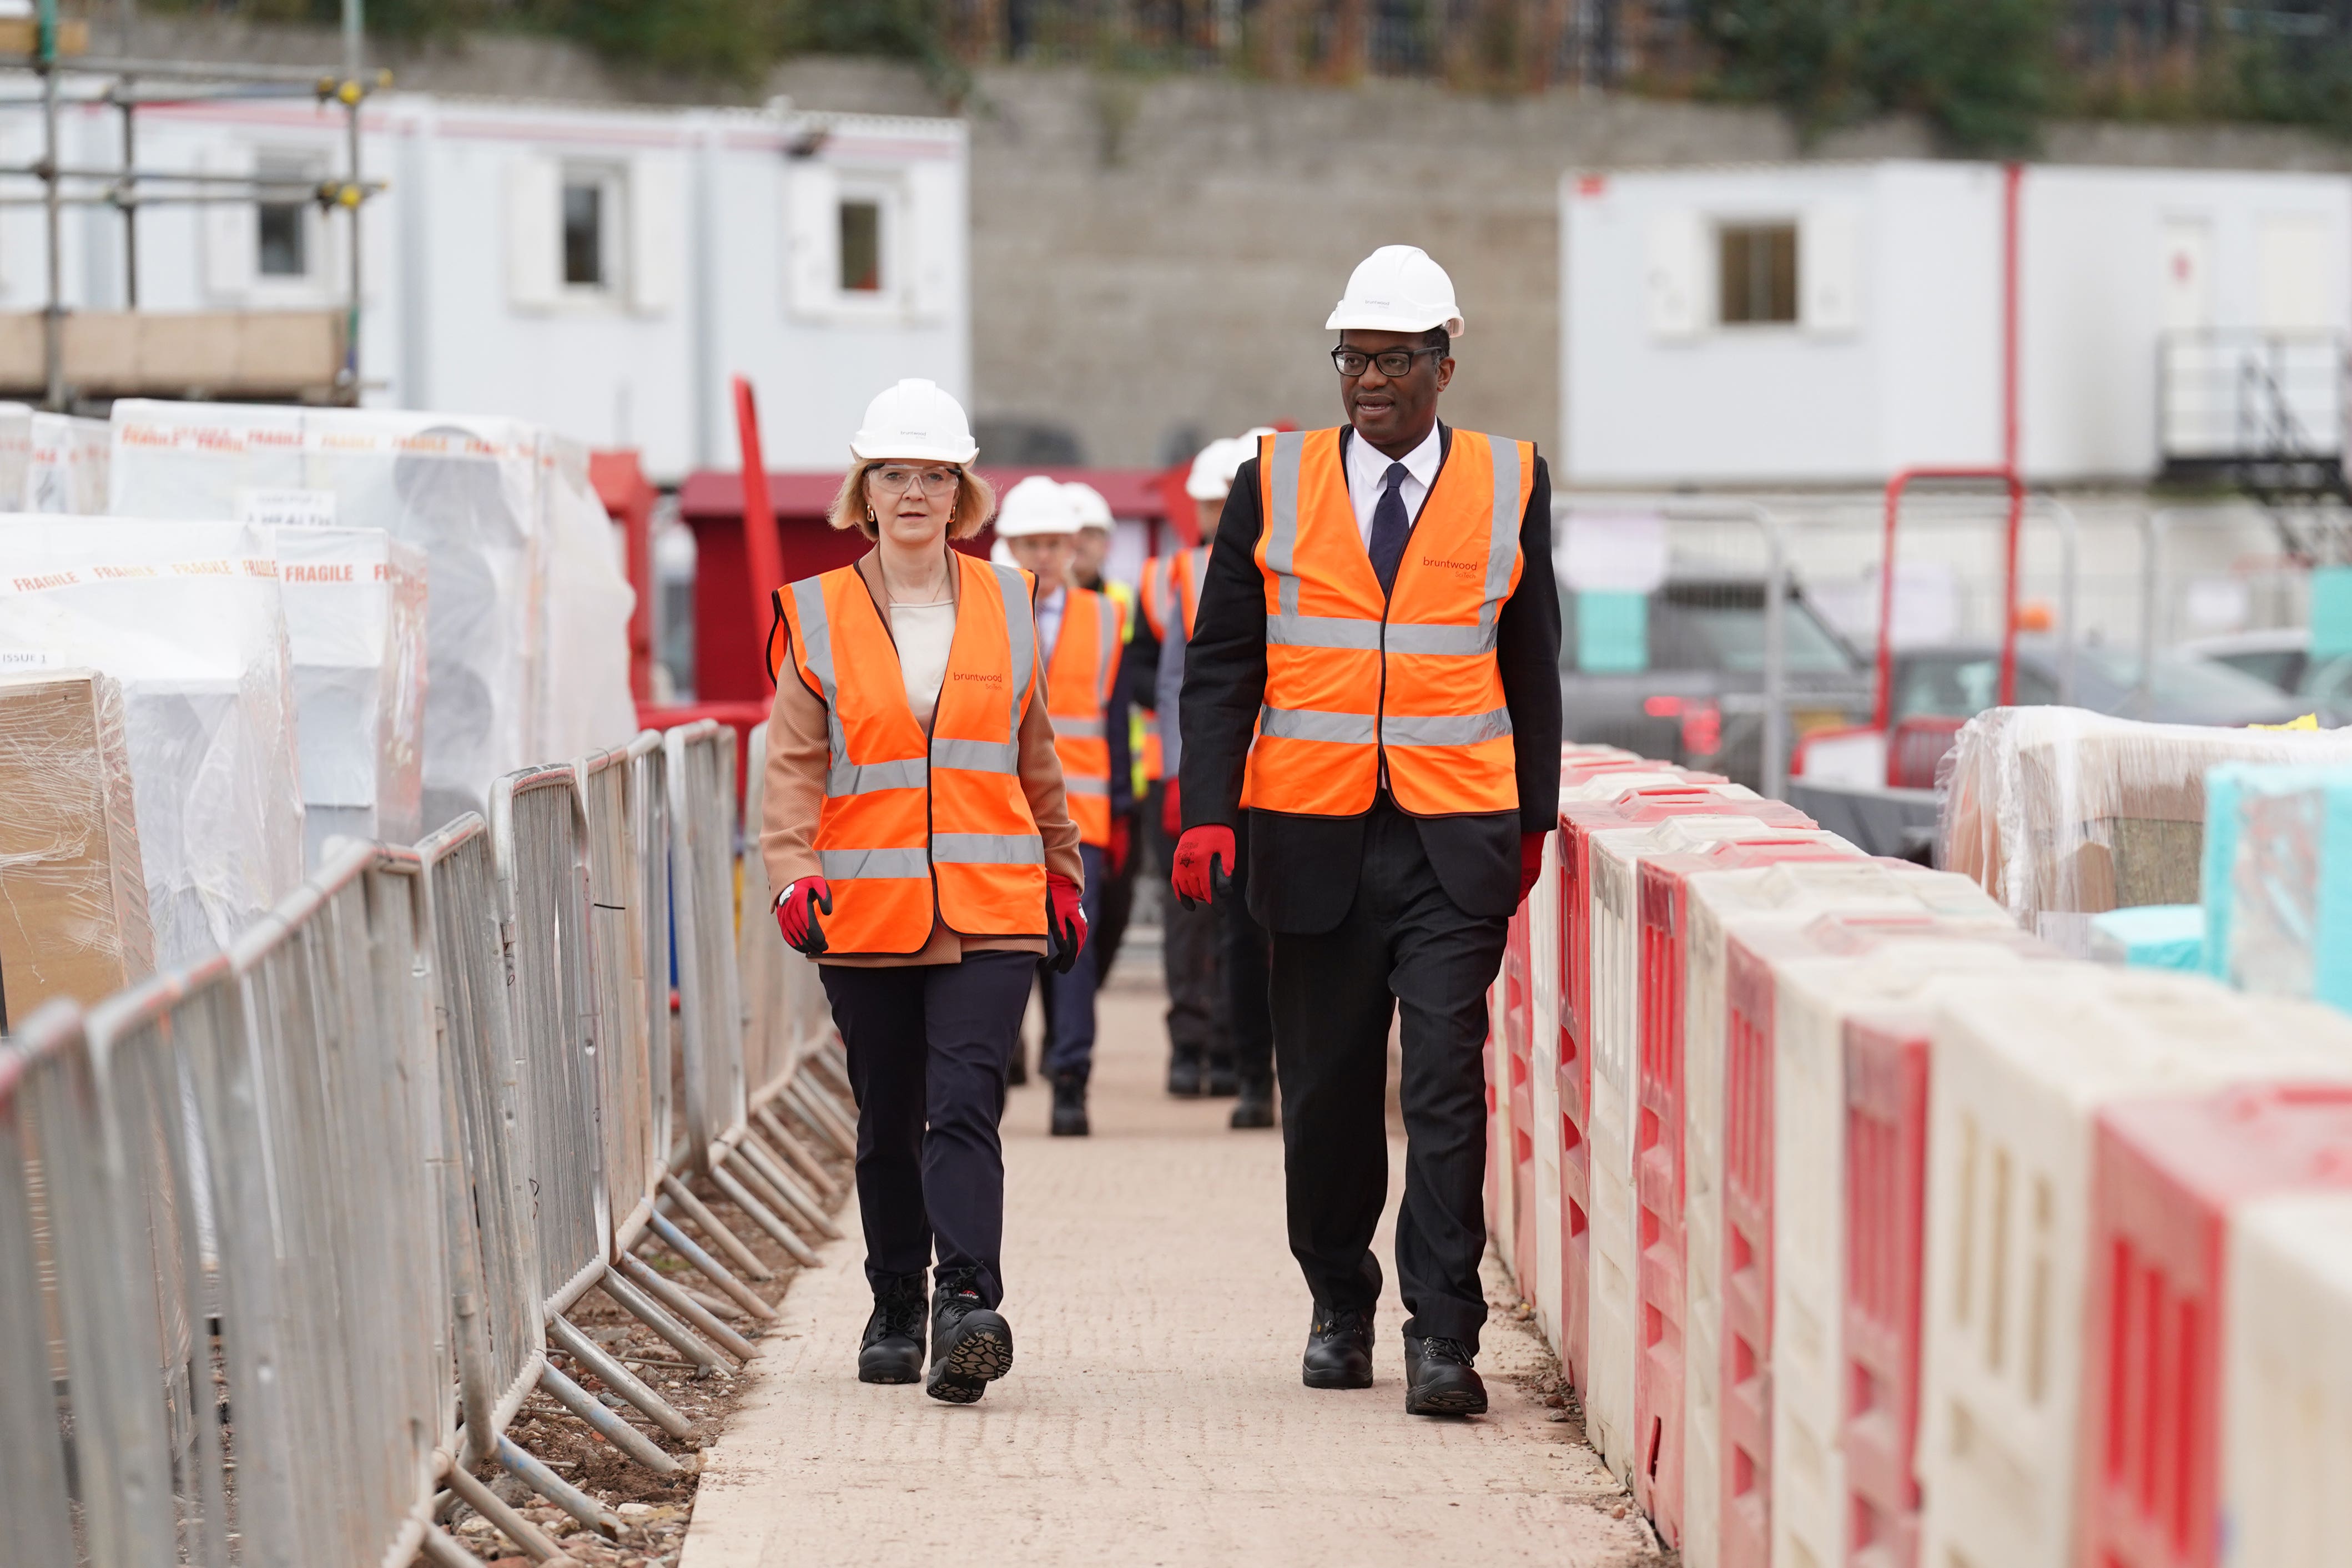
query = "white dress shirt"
x=1366 y=467
x=1049 y=621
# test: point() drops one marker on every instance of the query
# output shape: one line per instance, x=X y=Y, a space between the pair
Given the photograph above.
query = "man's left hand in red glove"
x=1204 y=866
x=1066 y=921
x=1531 y=854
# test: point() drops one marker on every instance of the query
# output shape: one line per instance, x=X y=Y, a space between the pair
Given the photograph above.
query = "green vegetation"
x=1985 y=74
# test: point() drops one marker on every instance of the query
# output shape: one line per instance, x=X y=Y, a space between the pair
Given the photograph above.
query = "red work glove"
x=1171 y=809
x=1066 y=921
x=1199 y=875
x=796 y=915
x=1530 y=862
x=1122 y=833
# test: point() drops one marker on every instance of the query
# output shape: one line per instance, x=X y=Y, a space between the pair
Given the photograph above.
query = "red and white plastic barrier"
x=1874 y=1232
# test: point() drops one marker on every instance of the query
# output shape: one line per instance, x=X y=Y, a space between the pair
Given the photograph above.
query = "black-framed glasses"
x=1392 y=362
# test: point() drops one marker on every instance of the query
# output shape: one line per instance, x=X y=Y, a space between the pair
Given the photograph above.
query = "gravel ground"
x=653 y=1509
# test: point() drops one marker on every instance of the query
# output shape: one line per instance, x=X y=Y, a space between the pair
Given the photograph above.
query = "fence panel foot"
x=715 y=1228
x=619 y=1379
x=764 y=1217
x=697 y=1316
x=710 y=1268
x=608 y=1424
x=535 y=1542
x=801 y=1201
x=794 y=1151
x=527 y=1470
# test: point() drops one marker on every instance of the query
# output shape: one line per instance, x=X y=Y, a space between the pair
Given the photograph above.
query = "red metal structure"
x=628 y=497
x=2006 y=473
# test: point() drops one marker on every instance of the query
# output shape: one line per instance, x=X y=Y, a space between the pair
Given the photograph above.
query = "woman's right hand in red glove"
x=797 y=913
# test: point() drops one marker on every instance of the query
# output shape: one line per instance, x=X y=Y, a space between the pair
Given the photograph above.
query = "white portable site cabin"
x=604 y=272
x=1832 y=323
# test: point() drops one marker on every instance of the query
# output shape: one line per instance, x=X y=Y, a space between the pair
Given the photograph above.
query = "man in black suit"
x=1395 y=818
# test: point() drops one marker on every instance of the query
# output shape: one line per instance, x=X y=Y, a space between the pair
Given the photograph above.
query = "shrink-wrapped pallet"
x=528 y=610
x=16 y=450
x=2058 y=811
x=188 y=617
x=355 y=630
x=66 y=465
x=73 y=902
x=2278 y=880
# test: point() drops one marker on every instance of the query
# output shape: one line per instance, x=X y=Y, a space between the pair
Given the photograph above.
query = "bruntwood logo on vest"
x=1431 y=560
x=994 y=680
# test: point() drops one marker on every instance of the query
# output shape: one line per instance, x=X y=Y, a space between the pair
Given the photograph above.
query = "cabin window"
x=1756 y=274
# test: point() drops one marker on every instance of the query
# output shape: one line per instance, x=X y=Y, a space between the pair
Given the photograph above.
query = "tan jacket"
x=799 y=750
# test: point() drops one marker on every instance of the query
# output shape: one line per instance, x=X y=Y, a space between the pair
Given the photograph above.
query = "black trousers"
x=1402 y=944
x=1198 y=1021
x=928 y=1046
x=1118 y=903
x=1246 y=999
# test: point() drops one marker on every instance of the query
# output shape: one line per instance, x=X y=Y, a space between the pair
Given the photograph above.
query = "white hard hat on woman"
x=883 y=875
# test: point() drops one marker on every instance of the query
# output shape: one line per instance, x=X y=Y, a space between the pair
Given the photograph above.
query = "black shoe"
x=1441 y=1378
x=1339 y=1349
x=1256 y=1106
x=1183 y=1074
x=1069 y=1107
x=1018 y=1073
x=892 y=1349
x=1220 y=1080
x=972 y=1344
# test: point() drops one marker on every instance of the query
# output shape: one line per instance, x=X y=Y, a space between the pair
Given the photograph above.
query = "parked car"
x=1697 y=697
x=1960 y=680
x=2280 y=656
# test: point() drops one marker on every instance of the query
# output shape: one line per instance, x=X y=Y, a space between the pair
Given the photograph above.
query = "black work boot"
x=1441 y=1378
x=1218 y=1079
x=972 y=1344
x=1184 y=1073
x=1070 y=1106
x=892 y=1349
x=1254 y=1108
x=1339 y=1349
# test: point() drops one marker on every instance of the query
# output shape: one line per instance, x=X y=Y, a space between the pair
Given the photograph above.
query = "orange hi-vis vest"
x=1356 y=679
x=918 y=827
x=1171 y=584
x=1078 y=677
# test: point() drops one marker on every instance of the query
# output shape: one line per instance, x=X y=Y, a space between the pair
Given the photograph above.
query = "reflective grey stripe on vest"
x=976 y=756
x=1084 y=785
x=1021 y=632
x=1078 y=728
x=1311 y=724
x=1445 y=729
x=847 y=865
x=1503 y=543
x=987 y=849
x=865 y=778
x=1282 y=516
x=1364 y=636
x=817 y=632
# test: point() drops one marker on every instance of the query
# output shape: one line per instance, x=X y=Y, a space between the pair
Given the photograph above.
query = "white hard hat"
x=1000 y=555
x=914 y=422
x=1398 y=288
x=1035 y=505
x=1094 y=512
x=1214 y=469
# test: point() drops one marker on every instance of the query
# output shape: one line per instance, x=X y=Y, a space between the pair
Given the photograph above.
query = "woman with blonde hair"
x=915 y=819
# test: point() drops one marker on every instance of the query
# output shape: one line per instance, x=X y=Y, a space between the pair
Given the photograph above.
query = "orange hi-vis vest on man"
x=915 y=827
x=1078 y=676
x=1170 y=595
x=1356 y=680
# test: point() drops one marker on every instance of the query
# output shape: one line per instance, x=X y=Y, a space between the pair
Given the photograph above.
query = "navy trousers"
x=1069 y=999
x=928 y=1048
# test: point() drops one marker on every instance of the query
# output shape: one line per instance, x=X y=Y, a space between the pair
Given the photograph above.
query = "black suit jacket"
x=1302 y=870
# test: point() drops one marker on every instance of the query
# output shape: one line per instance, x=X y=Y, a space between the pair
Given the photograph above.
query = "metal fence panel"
x=650 y=803
x=539 y=833
x=784 y=1011
x=635 y=1148
x=701 y=758
x=32 y=1433
x=494 y=1247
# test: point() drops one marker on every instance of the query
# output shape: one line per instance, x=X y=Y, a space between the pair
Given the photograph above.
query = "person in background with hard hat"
x=1374 y=676
x=1200 y=1020
x=1079 y=634
x=1096 y=524
x=915 y=818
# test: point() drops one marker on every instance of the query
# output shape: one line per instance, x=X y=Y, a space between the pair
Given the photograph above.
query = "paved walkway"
x=1154 y=1414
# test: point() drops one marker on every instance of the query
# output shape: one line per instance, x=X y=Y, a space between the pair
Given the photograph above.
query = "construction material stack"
x=1876 y=1225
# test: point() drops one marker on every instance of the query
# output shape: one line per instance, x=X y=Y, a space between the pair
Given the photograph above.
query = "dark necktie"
x=1390 y=527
